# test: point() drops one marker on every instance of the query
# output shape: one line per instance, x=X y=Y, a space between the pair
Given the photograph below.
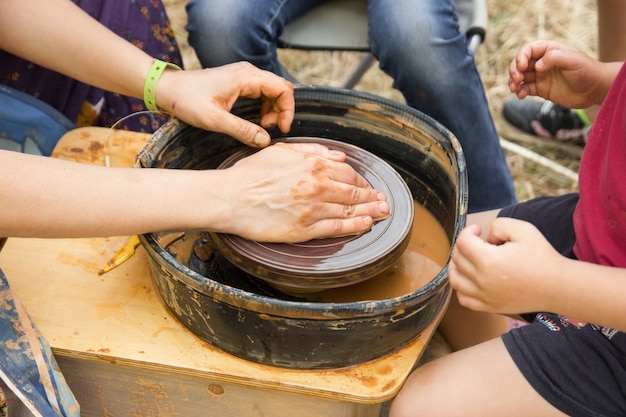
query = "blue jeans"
x=417 y=42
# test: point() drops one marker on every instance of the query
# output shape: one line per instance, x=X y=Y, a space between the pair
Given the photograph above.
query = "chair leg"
x=473 y=42
x=361 y=69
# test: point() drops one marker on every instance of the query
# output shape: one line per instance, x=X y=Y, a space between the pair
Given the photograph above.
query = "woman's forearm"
x=68 y=199
x=72 y=45
x=283 y=193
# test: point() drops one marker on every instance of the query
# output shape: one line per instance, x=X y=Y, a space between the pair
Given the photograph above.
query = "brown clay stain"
x=368 y=380
x=390 y=385
x=68 y=258
x=216 y=389
x=113 y=309
x=95 y=146
x=384 y=370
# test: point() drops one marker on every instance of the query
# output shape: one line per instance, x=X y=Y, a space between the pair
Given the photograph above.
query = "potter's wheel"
x=320 y=264
x=292 y=333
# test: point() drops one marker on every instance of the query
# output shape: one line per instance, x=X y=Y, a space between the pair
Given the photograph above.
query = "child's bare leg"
x=481 y=381
x=462 y=327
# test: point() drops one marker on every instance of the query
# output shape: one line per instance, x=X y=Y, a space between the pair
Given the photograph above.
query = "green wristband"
x=149 y=88
x=582 y=114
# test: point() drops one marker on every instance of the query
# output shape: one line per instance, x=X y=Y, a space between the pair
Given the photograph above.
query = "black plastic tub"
x=225 y=308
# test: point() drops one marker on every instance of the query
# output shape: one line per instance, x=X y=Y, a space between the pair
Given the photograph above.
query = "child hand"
x=556 y=72
x=514 y=271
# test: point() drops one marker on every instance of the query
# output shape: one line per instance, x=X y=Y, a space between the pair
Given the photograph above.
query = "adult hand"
x=283 y=193
x=298 y=192
x=515 y=271
x=204 y=98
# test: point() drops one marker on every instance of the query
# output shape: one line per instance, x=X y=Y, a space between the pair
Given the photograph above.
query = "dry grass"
x=511 y=24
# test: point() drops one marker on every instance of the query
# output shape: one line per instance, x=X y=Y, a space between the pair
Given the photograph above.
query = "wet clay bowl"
x=227 y=308
x=320 y=264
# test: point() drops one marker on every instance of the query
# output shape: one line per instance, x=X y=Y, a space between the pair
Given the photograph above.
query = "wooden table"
x=124 y=354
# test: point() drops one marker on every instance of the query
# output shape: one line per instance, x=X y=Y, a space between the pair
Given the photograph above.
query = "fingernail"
x=383 y=206
x=260 y=139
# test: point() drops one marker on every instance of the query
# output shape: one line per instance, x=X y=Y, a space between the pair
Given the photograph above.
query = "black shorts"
x=577 y=367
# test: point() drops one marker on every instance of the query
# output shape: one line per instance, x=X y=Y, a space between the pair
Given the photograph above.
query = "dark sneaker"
x=545 y=119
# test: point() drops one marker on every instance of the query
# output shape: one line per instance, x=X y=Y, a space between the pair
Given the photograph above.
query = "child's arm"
x=517 y=271
x=560 y=73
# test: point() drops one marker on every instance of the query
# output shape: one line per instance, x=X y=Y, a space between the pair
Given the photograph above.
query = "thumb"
x=505 y=229
x=244 y=131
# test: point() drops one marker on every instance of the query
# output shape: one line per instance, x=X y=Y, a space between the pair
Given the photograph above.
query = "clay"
x=319 y=264
x=428 y=251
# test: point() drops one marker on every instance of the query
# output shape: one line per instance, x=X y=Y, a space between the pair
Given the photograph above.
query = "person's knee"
x=209 y=16
x=398 y=409
x=419 y=41
x=402 y=406
x=417 y=59
x=212 y=28
x=422 y=393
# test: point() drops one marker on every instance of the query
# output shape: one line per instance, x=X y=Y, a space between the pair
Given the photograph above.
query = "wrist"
x=152 y=80
x=558 y=285
x=216 y=211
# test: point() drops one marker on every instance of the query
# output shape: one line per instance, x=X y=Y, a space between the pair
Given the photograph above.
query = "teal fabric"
x=29 y=125
x=27 y=365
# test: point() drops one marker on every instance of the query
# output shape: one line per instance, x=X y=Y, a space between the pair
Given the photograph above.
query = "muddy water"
x=426 y=254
